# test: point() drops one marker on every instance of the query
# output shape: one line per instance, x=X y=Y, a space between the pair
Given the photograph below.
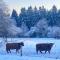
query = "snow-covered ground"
x=29 y=50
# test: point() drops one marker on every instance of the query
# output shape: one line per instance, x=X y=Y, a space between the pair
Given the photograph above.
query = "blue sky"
x=17 y=4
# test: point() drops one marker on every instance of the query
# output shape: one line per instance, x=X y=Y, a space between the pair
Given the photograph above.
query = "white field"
x=29 y=49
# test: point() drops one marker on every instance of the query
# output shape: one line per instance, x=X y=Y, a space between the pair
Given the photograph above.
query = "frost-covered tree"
x=14 y=31
x=22 y=16
x=41 y=28
x=31 y=32
x=24 y=28
x=4 y=21
x=54 y=32
x=42 y=12
x=7 y=26
x=15 y=16
x=52 y=16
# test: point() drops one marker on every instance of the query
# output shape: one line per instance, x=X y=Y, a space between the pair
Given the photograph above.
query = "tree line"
x=30 y=22
x=30 y=17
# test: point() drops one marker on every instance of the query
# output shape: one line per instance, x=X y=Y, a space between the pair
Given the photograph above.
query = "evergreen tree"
x=42 y=12
x=52 y=16
x=36 y=16
x=58 y=18
x=15 y=16
x=22 y=16
x=30 y=17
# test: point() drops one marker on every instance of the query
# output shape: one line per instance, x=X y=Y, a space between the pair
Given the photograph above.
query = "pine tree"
x=15 y=16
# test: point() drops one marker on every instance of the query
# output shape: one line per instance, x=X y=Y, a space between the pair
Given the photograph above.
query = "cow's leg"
x=45 y=51
x=16 y=50
x=9 y=50
x=40 y=51
x=21 y=51
x=37 y=51
x=49 y=51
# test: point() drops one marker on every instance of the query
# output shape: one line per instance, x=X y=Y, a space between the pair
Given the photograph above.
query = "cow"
x=44 y=47
x=11 y=46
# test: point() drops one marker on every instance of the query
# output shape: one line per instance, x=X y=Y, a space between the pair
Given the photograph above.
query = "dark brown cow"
x=17 y=46
x=44 y=47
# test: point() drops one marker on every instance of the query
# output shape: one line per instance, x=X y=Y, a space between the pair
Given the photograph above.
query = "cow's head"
x=21 y=44
x=51 y=44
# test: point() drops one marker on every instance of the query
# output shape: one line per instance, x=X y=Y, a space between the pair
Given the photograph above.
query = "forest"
x=38 y=22
x=31 y=22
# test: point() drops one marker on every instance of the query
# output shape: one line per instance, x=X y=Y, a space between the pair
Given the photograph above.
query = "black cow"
x=44 y=47
x=17 y=46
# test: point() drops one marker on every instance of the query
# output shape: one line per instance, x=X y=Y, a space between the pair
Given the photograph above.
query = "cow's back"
x=44 y=46
x=12 y=46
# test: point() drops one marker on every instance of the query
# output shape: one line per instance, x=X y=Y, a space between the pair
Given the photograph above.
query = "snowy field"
x=29 y=49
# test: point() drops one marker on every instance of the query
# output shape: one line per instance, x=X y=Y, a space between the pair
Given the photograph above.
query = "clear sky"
x=17 y=4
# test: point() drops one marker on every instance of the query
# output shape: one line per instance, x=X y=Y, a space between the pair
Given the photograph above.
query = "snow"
x=11 y=57
x=29 y=50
